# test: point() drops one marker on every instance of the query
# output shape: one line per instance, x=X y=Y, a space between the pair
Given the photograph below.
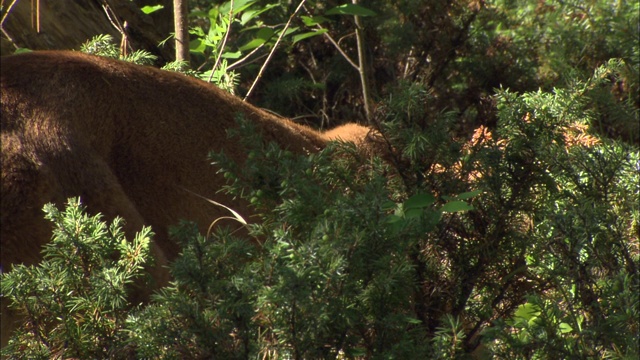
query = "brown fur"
x=127 y=139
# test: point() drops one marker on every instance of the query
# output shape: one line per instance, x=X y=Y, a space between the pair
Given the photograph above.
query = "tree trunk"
x=181 y=10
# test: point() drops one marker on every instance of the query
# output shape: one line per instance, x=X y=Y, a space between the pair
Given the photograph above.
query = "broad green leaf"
x=262 y=36
x=308 y=35
x=151 y=8
x=196 y=31
x=388 y=205
x=238 y=6
x=393 y=219
x=265 y=33
x=247 y=16
x=314 y=20
x=231 y=55
x=565 y=328
x=289 y=31
x=252 y=14
x=350 y=9
x=413 y=213
x=419 y=201
x=462 y=196
x=455 y=206
x=470 y=194
x=213 y=38
x=527 y=312
x=197 y=46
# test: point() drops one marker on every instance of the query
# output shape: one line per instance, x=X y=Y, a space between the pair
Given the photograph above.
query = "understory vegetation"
x=501 y=220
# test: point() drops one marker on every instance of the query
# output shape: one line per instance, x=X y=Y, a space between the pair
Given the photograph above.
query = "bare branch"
x=273 y=50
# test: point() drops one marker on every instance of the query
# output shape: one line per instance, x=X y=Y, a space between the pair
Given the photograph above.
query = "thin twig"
x=361 y=66
x=335 y=44
x=3 y=20
x=273 y=50
x=224 y=43
x=38 y=16
x=244 y=58
x=115 y=22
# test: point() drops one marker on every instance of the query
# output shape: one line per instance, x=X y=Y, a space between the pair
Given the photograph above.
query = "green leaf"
x=247 y=16
x=151 y=8
x=22 y=51
x=264 y=33
x=413 y=213
x=231 y=55
x=238 y=6
x=470 y=194
x=289 y=31
x=393 y=219
x=351 y=9
x=455 y=206
x=388 y=205
x=197 y=46
x=308 y=35
x=262 y=36
x=462 y=196
x=527 y=312
x=419 y=201
x=565 y=328
x=252 y=14
x=314 y=20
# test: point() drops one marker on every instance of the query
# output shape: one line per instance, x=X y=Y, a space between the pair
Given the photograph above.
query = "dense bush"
x=360 y=259
x=75 y=301
x=518 y=239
